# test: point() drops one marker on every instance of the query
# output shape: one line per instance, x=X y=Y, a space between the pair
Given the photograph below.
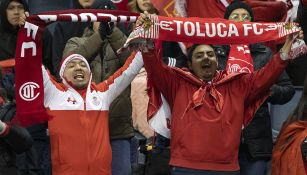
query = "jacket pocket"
x=204 y=141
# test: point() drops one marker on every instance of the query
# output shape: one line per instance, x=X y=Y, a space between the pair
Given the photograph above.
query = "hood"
x=5 y=25
x=64 y=63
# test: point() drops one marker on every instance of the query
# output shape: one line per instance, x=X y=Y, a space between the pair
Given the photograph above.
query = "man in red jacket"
x=209 y=107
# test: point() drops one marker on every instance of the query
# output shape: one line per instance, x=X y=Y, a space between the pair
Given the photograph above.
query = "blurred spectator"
x=35 y=160
x=256 y=142
x=100 y=41
x=13 y=140
x=10 y=11
x=142 y=5
x=297 y=69
x=289 y=154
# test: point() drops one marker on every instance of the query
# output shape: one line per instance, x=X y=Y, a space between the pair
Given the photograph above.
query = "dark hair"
x=298 y=113
x=193 y=47
x=3 y=18
x=237 y=4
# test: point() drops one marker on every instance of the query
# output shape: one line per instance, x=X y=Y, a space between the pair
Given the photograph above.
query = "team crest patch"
x=96 y=101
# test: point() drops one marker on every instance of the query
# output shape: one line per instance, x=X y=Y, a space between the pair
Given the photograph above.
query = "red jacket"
x=287 y=155
x=207 y=119
x=79 y=131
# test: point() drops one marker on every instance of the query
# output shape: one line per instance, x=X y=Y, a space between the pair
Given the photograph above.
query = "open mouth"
x=79 y=76
x=206 y=66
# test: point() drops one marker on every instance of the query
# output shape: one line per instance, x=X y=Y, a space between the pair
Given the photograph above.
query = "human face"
x=240 y=15
x=13 y=11
x=77 y=73
x=203 y=62
x=86 y=3
x=144 y=5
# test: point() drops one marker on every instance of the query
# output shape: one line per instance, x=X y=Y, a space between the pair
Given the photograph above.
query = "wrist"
x=284 y=55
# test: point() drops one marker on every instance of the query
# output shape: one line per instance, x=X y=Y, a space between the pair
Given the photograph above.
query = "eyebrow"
x=206 y=51
x=76 y=61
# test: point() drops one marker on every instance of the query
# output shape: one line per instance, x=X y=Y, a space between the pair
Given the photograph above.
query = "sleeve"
x=282 y=91
x=260 y=81
x=50 y=87
x=18 y=138
x=121 y=79
x=162 y=77
x=117 y=39
x=47 y=50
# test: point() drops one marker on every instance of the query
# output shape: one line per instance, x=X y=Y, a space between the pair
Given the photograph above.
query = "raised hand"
x=141 y=19
x=285 y=50
x=22 y=19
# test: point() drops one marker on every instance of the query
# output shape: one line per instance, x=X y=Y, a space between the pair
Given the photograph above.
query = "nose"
x=77 y=66
x=241 y=18
x=205 y=57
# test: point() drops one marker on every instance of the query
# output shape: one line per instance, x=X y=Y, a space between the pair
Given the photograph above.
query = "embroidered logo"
x=96 y=101
x=71 y=100
x=27 y=91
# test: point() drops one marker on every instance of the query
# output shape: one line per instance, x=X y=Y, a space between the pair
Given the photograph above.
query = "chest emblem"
x=96 y=101
x=71 y=100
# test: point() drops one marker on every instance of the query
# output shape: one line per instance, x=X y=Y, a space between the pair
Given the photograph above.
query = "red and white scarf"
x=209 y=30
x=29 y=81
x=240 y=59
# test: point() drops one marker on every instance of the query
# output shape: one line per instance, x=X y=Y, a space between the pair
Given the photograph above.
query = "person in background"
x=10 y=11
x=14 y=140
x=142 y=5
x=256 y=139
x=290 y=150
x=297 y=68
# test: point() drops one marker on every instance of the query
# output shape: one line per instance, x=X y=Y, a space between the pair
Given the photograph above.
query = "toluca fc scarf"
x=240 y=59
x=28 y=80
x=209 y=31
